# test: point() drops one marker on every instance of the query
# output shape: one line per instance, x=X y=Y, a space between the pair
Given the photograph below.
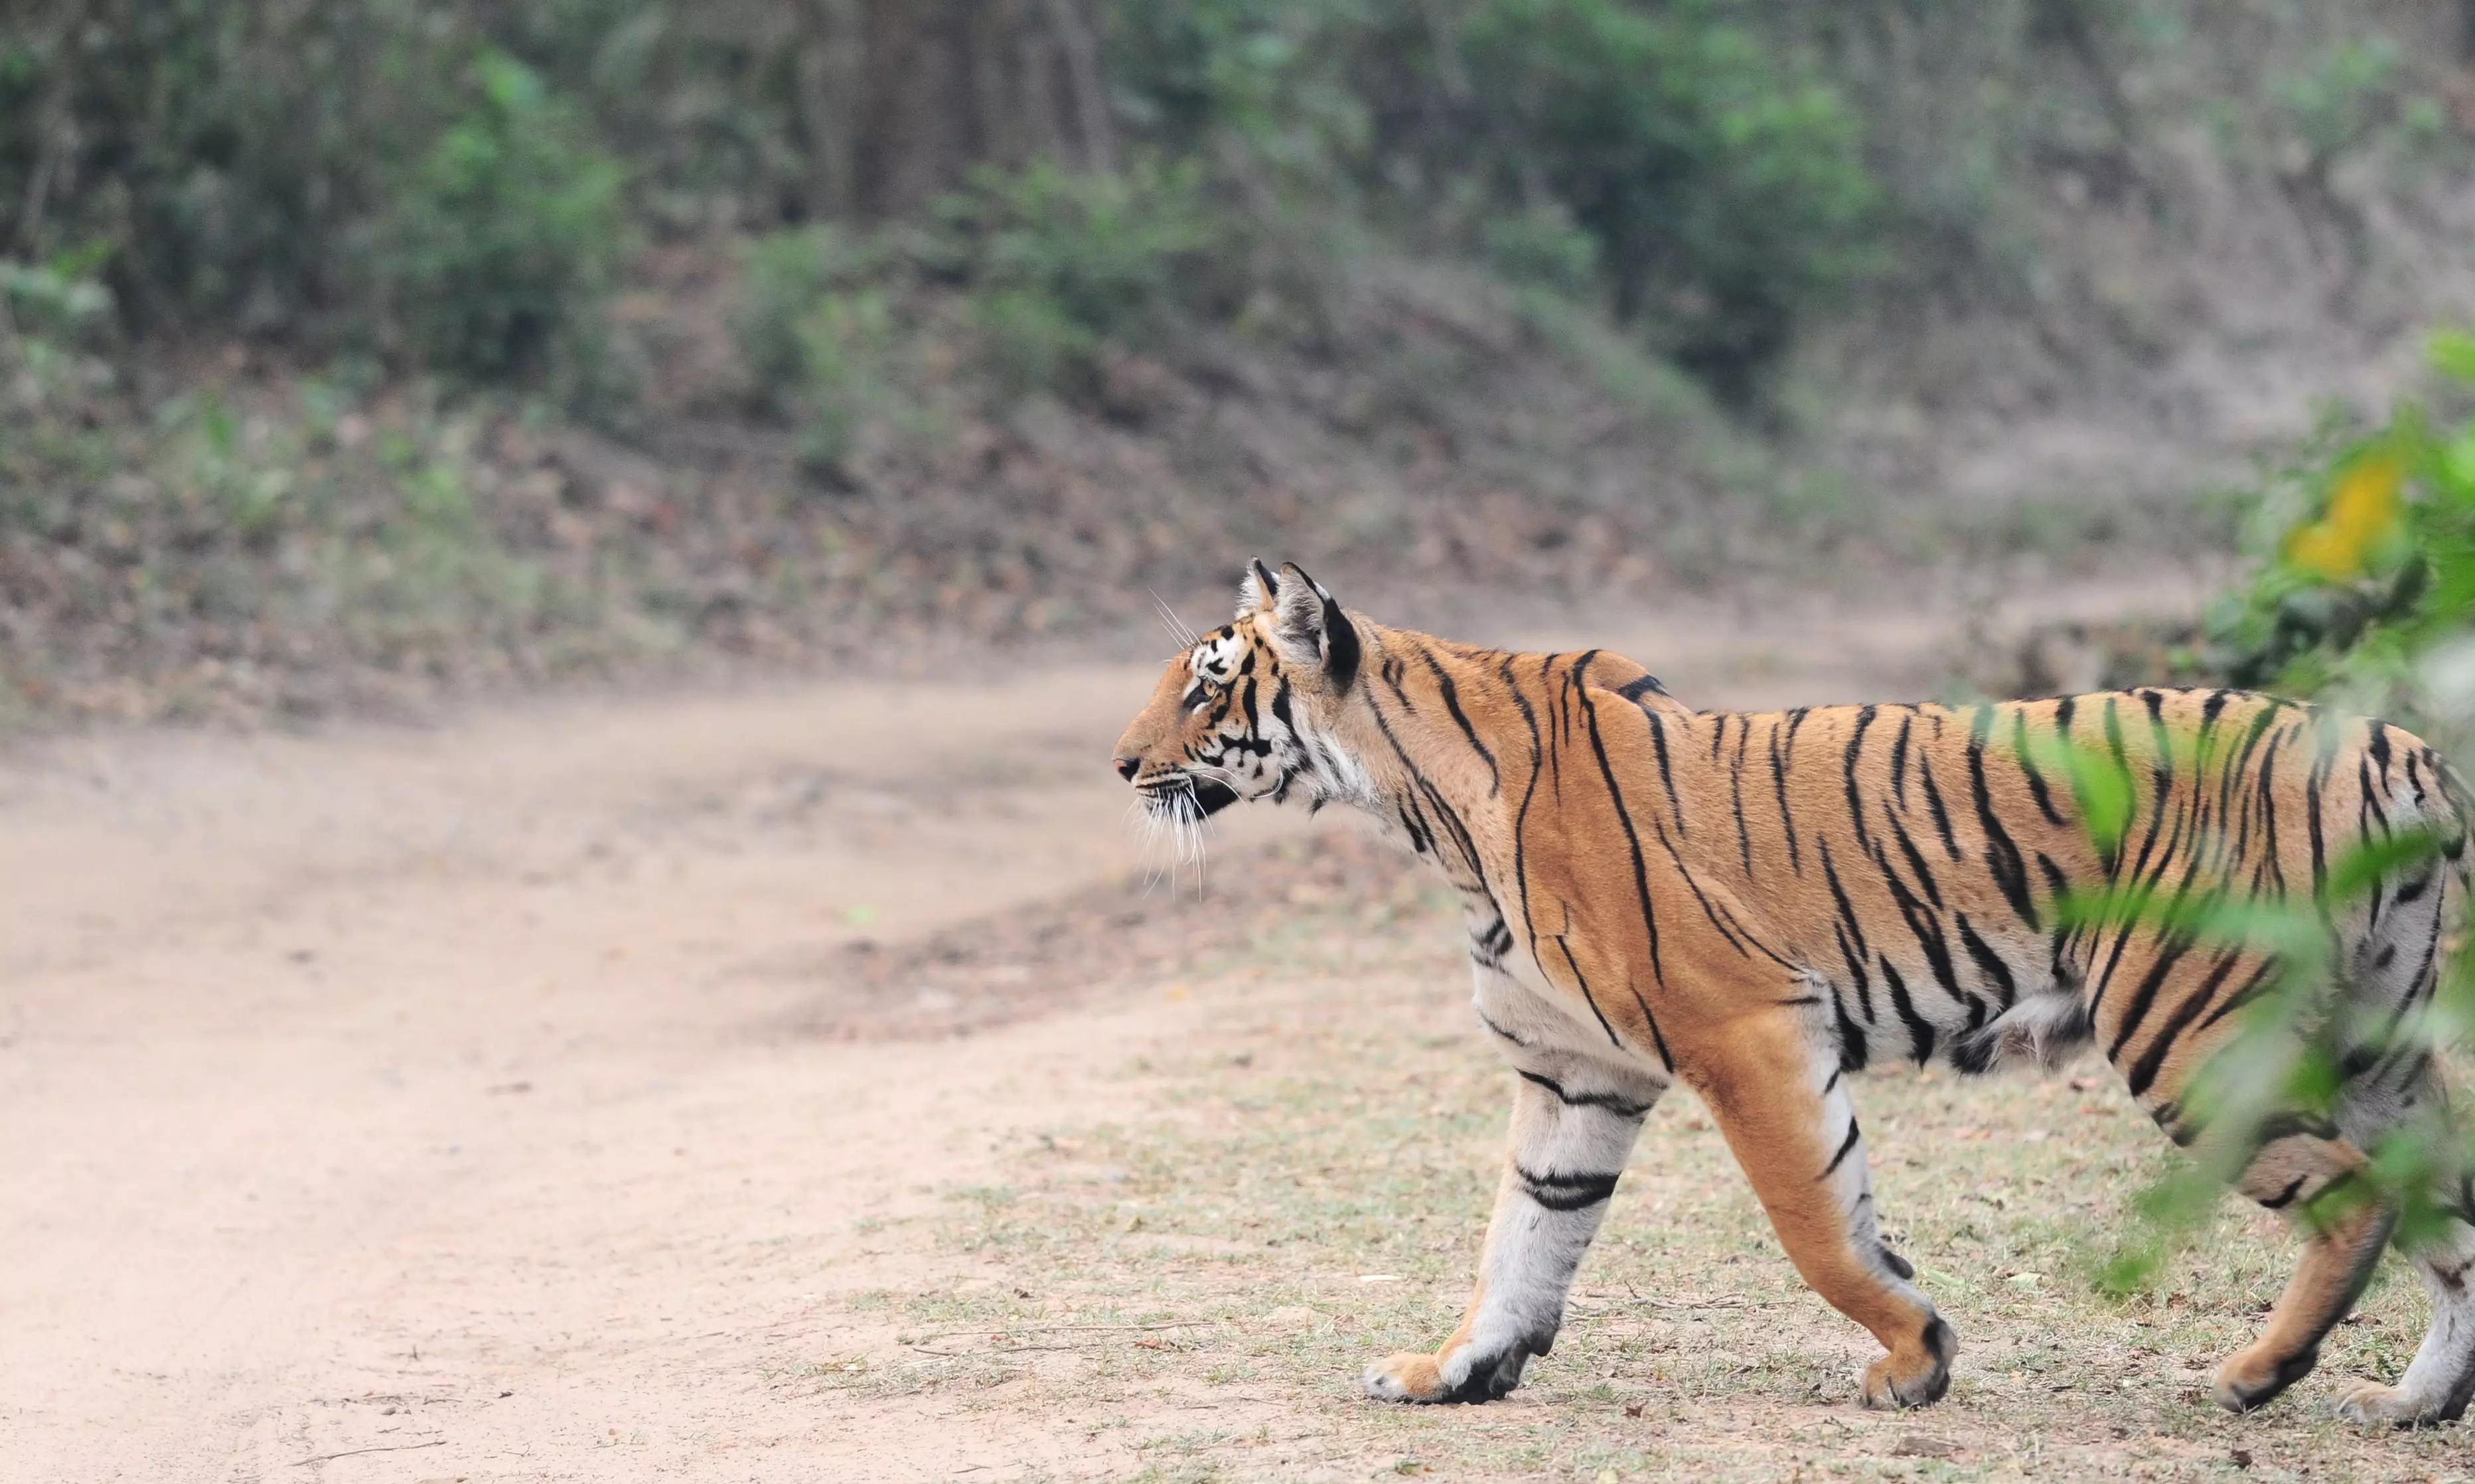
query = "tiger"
x=1759 y=904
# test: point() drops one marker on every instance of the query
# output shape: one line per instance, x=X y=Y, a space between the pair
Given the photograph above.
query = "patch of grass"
x=1312 y=1187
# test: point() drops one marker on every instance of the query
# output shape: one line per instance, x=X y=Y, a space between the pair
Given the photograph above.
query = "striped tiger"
x=1757 y=905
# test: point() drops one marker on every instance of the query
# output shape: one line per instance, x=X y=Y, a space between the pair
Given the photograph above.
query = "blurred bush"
x=2364 y=599
x=1724 y=188
x=1036 y=273
x=372 y=172
x=2364 y=588
x=452 y=183
x=1682 y=160
x=500 y=241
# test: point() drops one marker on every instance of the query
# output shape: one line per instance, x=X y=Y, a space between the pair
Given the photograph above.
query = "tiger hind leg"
x=2292 y=1171
x=2440 y=1381
x=2441 y=1377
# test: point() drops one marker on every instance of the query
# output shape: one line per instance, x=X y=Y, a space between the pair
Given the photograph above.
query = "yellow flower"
x=2364 y=511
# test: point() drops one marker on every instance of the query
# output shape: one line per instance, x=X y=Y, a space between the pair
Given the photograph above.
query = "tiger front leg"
x=1569 y=1144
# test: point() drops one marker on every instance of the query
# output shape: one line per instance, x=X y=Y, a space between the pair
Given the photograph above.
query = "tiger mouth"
x=1210 y=795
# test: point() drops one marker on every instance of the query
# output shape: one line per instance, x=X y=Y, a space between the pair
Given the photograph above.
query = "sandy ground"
x=449 y=1103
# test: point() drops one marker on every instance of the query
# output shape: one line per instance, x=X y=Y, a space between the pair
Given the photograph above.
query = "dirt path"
x=389 y=1104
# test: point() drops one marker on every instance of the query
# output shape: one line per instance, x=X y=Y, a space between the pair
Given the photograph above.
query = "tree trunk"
x=903 y=99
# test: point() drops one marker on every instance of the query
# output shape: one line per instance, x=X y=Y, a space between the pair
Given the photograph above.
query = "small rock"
x=1918 y=1445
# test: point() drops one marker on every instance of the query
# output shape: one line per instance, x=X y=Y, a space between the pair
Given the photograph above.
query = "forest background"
x=353 y=351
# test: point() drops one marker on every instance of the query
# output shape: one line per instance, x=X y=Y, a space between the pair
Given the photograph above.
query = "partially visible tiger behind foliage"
x=1759 y=904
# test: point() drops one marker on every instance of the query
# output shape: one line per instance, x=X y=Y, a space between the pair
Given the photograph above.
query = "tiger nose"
x=1127 y=768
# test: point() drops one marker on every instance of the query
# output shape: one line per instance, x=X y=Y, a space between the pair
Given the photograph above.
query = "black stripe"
x=1989 y=963
x=1342 y=647
x=1460 y=717
x=1496 y=1029
x=1737 y=793
x=2312 y=778
x=2253 y=986
x=1854 y=1048
x=1624 y=817
x=2037 y=789
x=1583 y=981
x=1622 y=1107
x=1899 y=761
x=1703 y=897
x=1933 y=802
x=2168 y=954
x=2268 y=797
x=1411 y=820
x=2143 y=1072
x=1839 y=894
x=1916 y=861
x=1926 y=925
x=1855 y=961
x=1521 y=816
x=1779 y=784
x=1921 y=1032
x=1565 y=1192
x=1845 y=1145
x=2002 y=856
x=1666 y=773
x=1848 y=761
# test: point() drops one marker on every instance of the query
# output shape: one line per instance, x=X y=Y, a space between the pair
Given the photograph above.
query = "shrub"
x=1116 y=256
x=1049 y=266
x=1542 y=246
x=1725 y=189
x=1031 y=343
x=505 y=234
x=2366 y=565
x=2364 y=598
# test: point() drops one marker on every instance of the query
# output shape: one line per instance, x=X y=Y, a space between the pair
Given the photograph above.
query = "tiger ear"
x=1309 y=629
x=1256 y=590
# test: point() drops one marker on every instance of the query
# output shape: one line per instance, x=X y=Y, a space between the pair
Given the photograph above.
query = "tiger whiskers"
x=1186 y=637
x=1173 y=811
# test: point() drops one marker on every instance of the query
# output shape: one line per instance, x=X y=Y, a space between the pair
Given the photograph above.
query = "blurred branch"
x=831 y=70
x=1091 y=91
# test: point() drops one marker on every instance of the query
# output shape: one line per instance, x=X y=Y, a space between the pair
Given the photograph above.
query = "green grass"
x=1309 y=1186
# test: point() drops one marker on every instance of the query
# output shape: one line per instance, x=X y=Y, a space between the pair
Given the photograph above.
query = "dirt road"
x=390 y=1103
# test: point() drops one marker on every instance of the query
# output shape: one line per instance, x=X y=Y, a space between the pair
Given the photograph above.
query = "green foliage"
x=1542 y=246
x=1031 y=343
x=2365 y=596
x=1681 y=157
x=2366 y=574
x=1048 y=267
x=2355 y=94
x=53 y=300
x=366 y=172
x=1725 y=187
x=504 y=235
x=1113 y=256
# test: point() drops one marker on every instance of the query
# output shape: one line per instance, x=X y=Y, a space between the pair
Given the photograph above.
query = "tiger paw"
x=2251 y=1377
x=1914 y=1375
x=2370 y=1401
x=1458 y=1376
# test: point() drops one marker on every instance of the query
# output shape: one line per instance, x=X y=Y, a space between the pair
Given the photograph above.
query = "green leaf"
x=2452 y=353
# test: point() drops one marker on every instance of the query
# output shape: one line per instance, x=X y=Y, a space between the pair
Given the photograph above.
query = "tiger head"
x=1249 y=711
